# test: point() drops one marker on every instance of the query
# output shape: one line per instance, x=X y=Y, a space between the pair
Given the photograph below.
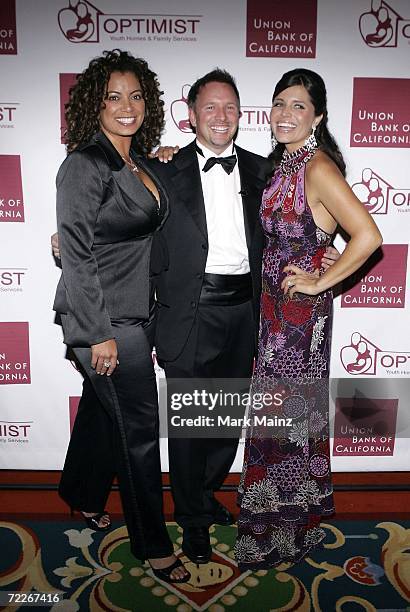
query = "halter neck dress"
x=285 y=486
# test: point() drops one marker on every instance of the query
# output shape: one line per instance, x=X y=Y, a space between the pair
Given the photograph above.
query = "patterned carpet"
x=364 y=565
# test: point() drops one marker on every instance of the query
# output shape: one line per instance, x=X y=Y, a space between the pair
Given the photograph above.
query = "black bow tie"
x=227 y=163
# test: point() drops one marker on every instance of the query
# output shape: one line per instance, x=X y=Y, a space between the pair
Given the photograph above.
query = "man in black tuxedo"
x=208 y=298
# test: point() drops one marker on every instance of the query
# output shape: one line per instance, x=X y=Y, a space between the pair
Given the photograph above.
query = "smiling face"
x=292 y=117
x=215 y=116
x=123 y=108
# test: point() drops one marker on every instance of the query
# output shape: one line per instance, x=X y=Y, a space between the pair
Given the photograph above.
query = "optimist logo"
x=11 y=190
x=79 y=22
x=82 y=22
x=385 y=285
x=179 y=110
x=255 y=119
x=379 y=196
x=363 y=358
x=382 y=26
x=8 y=114
x=364 y=427
x=15 y=432
x=12 y=280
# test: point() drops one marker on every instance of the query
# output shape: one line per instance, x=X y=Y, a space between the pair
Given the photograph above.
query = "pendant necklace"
x=132 y=166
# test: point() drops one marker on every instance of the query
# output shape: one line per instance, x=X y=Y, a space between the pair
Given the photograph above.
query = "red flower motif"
x=297 y=312
x=317 y=258
x=254 y=473
x=268 y=306
x=290 y=216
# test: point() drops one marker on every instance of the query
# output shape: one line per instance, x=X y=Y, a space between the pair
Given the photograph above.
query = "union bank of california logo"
x=378 y=196
x=82 y=22
x=363 y=358
x=381 y=26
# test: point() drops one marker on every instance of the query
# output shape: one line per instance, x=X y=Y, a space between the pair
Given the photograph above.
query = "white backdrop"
x=361 y=51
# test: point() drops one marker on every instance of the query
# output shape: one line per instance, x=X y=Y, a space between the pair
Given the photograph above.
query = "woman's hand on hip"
x=299 y=281
x=104 y=357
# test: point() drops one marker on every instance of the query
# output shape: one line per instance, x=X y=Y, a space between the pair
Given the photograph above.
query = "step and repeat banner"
x=362 y=50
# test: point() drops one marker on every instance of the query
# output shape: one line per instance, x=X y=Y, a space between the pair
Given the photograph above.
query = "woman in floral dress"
x=285 y=486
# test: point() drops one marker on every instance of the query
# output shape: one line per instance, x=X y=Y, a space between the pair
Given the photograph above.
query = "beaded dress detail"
x=285 y=486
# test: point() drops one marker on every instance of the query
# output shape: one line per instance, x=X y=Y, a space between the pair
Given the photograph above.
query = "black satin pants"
x=119 y=435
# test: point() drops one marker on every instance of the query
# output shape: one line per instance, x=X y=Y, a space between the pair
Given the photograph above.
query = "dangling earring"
x=273 y=141
x=311 y=142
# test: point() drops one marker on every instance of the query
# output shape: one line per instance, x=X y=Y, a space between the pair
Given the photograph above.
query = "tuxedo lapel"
x=252 y=183
x=187 y=183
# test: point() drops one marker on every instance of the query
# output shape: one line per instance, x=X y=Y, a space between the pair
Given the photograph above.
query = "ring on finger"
x=107 y=364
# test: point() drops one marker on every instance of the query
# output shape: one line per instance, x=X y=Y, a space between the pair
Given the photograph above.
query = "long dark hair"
x=88 y=94
x=315 y=86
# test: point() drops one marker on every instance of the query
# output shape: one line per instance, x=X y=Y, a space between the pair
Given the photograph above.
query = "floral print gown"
x=285 y=486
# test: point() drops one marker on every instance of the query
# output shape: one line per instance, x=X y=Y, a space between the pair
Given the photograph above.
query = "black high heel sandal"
x=165 y=572
x=93 y=521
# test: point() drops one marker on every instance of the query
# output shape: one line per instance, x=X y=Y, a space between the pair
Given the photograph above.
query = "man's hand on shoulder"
x=55 y=246
x=164 y=154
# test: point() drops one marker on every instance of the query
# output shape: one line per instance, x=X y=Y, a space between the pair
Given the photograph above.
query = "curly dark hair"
x=88 y=94
x=315 y=86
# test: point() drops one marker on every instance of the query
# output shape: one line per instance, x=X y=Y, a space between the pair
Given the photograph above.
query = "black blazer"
x=185 y=233
x=106 y=219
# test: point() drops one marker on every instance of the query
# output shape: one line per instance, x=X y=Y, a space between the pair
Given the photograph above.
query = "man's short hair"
x=215 y=76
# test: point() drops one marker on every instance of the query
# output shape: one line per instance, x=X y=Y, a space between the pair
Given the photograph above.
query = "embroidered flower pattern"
x=292 y=229
x=283 y=539
x=317 y=335
x=299 y=433
x=316 y=422
x=246 y=549
x=286 y=486
x=308 y=494
x=314 y=536
x=261 y=496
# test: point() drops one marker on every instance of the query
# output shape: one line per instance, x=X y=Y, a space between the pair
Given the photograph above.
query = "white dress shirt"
x=228 y=251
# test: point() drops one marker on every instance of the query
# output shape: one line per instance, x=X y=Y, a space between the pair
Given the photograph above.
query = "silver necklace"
x=293 y=162
x=133 y=166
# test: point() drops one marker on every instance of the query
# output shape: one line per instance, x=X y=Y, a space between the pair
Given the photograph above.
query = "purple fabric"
x=285 y=486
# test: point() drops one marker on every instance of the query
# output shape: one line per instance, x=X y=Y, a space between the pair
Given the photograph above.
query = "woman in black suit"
x=109 y=205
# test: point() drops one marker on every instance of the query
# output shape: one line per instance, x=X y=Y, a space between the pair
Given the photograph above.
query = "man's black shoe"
x=222 y=516
x=196 y=544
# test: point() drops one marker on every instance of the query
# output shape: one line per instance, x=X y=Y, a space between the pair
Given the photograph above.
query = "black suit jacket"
x=106 y=220
x=185 y=234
